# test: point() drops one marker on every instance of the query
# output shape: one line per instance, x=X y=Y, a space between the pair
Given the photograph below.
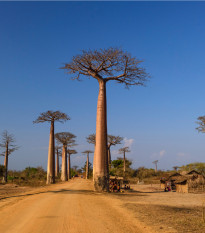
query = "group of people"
x=114 y=186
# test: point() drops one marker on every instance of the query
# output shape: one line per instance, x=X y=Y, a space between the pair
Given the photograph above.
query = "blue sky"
x=157 y=121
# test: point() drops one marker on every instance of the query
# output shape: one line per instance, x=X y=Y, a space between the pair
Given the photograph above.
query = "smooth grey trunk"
x=101 y=171
x=87 y=167
x=124 y=163
x=64 y=174
x=6 y=164
x=57 y=163
x=51 y=157
x=69 y=171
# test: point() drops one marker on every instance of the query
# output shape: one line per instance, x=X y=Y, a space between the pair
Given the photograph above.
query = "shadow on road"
x=82 y=192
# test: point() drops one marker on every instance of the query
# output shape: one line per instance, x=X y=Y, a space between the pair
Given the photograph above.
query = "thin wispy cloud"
x=128 y=142
x=158 y=155
x=162 y=153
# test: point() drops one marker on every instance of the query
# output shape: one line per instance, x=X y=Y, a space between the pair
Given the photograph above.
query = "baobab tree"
x=66 y=139
x=87 y=152
x=70 y=152
x=58 y=154
x=155 y=162
x=105 y=65
x=201 y=123
x=7 y=143
x=51 y=117
x=111 y=141
x=176 y=168
x=123 y=151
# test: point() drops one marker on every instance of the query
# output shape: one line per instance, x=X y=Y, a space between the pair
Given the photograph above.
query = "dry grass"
x=169 y=218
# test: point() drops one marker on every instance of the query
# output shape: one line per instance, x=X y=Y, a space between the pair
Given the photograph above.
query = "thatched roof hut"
x=192 y=182
x=169 y=180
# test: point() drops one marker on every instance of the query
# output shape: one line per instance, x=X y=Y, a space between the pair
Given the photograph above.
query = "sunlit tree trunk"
x=6 y=164
x=101 y=173
x=69 y=171
x=94 y=167
x=51 y=157
x=124 y=163
x=87 y=167
x=64 y=174
x=57 y=163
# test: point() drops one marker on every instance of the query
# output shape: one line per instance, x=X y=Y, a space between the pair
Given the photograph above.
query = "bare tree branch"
x=201 y=123
x=7 y=143
x=66 y=138
x=108 y=64
x=52 y=116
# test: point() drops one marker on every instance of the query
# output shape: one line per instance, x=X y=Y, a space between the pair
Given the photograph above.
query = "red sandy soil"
x=74 y=207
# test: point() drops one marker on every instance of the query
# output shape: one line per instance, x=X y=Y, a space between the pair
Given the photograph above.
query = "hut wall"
x=182 y=188
x=197 y=189
x=162 y=185
x=196 y=185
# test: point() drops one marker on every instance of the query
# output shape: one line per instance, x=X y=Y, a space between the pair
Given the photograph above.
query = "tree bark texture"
x=101 y=172
x=51 y=157
x=69 y=171
x=64 y=174
x=87 y=167
x=6 y=164
x=57 y=164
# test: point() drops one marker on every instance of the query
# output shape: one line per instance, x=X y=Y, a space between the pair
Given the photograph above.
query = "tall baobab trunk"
x=57 y=163
x=124 y=163
x=101 y=172
x=94 y=167
x=64 y=174
x=87 y=167
x=69 y=171
x=6 y=164
x=51 y=157
x=109 y=157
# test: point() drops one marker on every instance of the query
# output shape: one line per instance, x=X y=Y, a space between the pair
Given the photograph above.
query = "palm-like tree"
x=87 y=162
x=51 y=117
x=105 y=65
x=7 y=143
x=66 y=139
x=123 y=151
x=70 y=152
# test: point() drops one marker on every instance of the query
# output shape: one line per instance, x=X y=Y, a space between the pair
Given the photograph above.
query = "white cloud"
x=128 y=142
x=162 y=153
x=159 y=155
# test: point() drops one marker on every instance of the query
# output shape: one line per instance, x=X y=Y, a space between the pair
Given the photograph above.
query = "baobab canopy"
x=107 y=64
x=52 y=116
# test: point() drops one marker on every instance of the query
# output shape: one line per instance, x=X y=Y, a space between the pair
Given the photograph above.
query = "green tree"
x=199 y=167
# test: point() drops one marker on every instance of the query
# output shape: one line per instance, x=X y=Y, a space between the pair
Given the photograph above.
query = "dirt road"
x=69 y=207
